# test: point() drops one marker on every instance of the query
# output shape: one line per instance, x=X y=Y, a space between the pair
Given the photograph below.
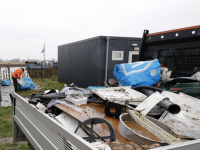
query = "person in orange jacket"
x=16 y=75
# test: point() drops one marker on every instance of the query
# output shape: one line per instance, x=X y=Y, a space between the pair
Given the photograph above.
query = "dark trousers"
x=15 y=83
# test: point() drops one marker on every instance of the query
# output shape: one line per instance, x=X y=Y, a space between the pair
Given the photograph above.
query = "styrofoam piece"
x=70 y=106
x=21 y=82
x=41 y=107
x=120 y=94
x=149 y=103
x=77 y=102
x=153 y=128
x=76 y=97
x=70 y=123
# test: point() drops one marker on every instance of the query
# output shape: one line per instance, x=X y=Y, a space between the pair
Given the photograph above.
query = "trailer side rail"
x=42 y=131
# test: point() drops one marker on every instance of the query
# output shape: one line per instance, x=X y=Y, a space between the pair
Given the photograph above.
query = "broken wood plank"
x=95 y=110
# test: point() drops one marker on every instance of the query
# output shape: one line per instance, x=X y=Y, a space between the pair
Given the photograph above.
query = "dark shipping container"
x=84 y=62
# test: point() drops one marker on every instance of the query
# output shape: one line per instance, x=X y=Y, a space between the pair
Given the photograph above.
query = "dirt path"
x=10 y=140
x=5 y=97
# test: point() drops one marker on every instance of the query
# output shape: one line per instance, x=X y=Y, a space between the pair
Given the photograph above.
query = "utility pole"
x=44 y=52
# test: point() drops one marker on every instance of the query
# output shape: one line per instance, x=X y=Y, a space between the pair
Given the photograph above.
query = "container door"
x=133 y=56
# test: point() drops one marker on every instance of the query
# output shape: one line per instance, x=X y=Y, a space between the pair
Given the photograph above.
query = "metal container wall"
x=83 y=62
x=117 y=44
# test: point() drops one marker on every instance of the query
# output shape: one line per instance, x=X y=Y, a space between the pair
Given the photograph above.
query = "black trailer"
x=178 y=50
x=90 y=62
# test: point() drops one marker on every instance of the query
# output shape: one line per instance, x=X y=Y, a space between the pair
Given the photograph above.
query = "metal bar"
x=106 y=68
x=18 y=135
x=142 y=43
x=14 y=104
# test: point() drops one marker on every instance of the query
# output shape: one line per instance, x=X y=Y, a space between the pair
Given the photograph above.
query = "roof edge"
x=99 y=37
x=174 y=30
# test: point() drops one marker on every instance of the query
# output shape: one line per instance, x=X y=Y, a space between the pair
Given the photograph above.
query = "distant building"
x=53 y=59
x=15 y=60
x=33 y=60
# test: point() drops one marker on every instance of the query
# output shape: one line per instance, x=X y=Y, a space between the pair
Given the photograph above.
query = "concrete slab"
x=5 y=97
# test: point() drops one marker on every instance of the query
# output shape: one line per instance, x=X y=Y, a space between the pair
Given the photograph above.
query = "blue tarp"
x=5 y=82
x=29 y=85
x=145 y=73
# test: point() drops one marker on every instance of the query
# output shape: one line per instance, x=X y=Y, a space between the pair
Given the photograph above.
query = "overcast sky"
x=25 y=25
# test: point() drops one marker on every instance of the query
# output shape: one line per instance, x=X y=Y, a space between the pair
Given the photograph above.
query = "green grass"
x=14 y=146
x=5 y=121
x=46 y=84
x=49 y=83
x=6 y=114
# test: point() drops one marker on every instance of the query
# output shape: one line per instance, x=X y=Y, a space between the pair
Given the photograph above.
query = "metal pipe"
x=106 y=67
x=169 y=106
x=165 y=103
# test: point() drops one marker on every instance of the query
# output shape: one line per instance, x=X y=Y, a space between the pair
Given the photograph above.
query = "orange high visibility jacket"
x=17 y=73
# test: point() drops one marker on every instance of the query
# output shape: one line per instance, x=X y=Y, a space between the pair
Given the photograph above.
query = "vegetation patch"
x=6 y=121
x=14 y=146
x=45 y=83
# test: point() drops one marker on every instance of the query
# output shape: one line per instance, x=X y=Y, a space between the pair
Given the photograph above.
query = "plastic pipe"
x=165 y=103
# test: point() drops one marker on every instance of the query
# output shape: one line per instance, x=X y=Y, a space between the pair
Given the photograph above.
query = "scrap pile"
x=136 y=112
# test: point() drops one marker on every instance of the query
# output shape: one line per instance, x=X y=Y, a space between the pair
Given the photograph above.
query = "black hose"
x=147 y=87
x=165 y=103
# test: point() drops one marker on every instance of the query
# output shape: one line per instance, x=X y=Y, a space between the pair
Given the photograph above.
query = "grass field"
x=14 y=146
x=6 y=122
x=6 y=131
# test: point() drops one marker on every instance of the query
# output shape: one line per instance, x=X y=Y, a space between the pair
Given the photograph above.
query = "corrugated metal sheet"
x=83 y=62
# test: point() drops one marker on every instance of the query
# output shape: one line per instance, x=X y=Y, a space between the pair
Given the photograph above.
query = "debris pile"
x=132 y=146
x=97 y=111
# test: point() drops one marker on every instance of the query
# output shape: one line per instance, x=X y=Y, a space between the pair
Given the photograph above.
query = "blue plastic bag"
x=5 y=82
x=30 y=85
x=145 y=73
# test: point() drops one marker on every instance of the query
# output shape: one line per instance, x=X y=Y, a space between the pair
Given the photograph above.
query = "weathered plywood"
x=187 y=122
x=95 y=110
x=120 y=94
